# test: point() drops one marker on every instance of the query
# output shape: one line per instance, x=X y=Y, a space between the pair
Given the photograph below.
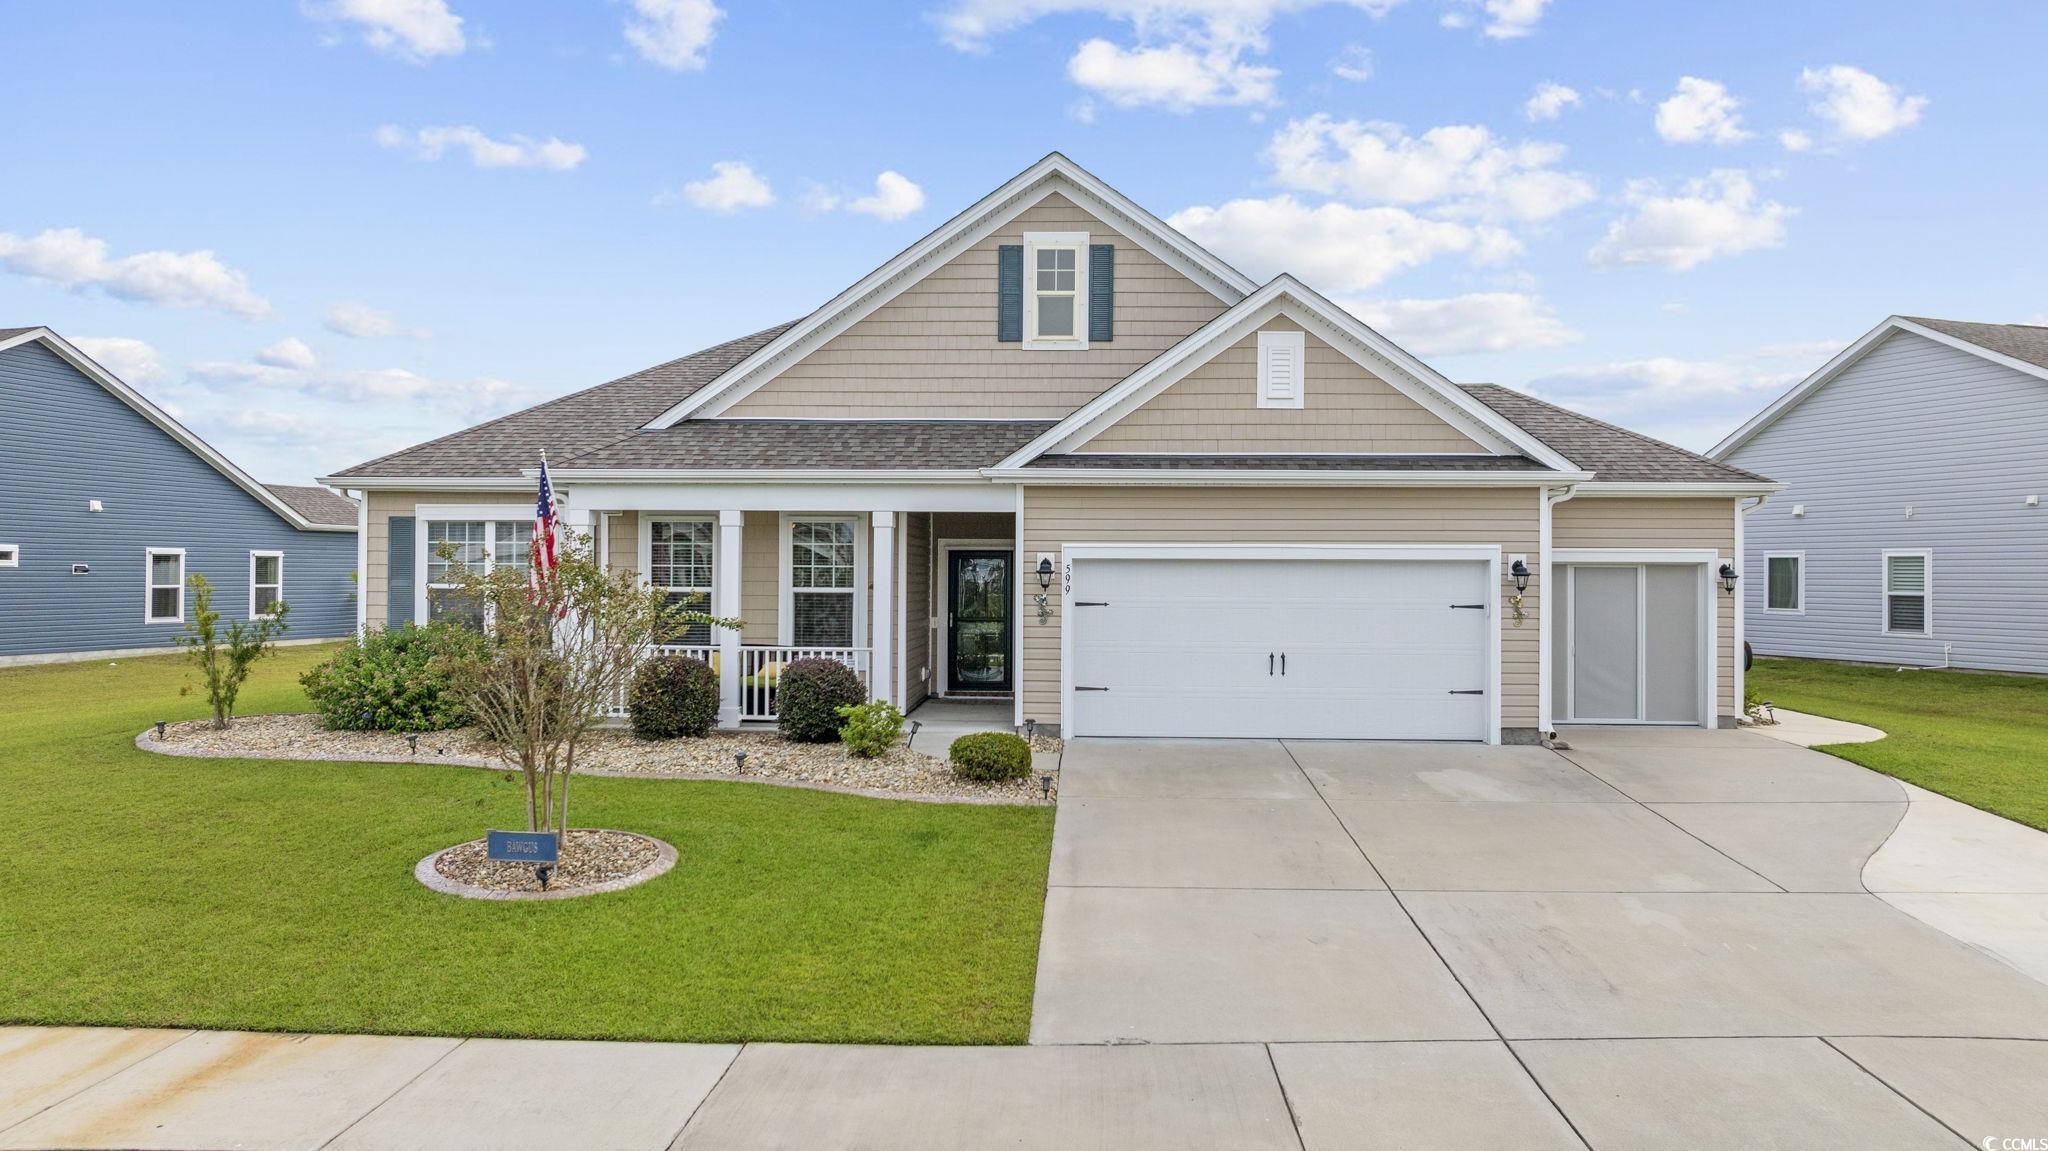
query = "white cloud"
x=1336 y=247
x=1858 y=105
x=1462 y=325
x=895 y=197
x=1354 y=63
x=1179 y=77
x=733 y=185
x=1700 y=110
x=290 y=352
x=415 y=30
x=1462 y=167
x=1549 y=101
x=514 y=151
x=1719 y=215
x=471 y=399
x=673 y=34
x=1185 y=53
x=360 y=321
x=132 y=361
x=73 y=260
x=1794 y=140
x=1513 y=19
x=1688 y=402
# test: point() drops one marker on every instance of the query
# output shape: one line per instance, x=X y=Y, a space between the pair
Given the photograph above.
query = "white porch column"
x=725 y=603
x=882 y=625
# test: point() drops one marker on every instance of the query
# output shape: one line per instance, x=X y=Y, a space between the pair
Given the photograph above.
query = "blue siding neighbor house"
x=1911 y=529
x=107 y=504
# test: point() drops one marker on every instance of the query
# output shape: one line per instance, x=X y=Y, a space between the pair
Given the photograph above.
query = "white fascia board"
x=767 y=476
x=1055 y=173
x=171 y=427
x=1278 y=477
x=1841 y=363
x=429 y=483
x=1595 y=489
x=1285 y=296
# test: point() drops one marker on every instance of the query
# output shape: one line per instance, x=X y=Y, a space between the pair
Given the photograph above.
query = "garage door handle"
x=1269 y=663
x=1283 y=663
x=1469 y=691
x=1473 y=606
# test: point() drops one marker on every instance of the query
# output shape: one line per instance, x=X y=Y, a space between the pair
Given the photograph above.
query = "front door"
x=978 y=624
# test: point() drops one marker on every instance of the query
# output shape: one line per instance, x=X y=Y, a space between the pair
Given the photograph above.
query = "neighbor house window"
x=1785 y=582
x=680 y=562
x=10 y=556
x=455 y=546
x=166 y=592
x=266 y=583
x=1908 y=583
x=1055 y=289
x=822 y=571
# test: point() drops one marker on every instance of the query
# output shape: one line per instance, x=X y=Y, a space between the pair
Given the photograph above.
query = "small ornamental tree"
x=560 y=656
x=223 y=657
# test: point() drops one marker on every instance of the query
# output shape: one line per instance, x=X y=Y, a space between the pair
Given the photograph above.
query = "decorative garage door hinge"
x=1473 y=606
x=1091 y=603
x=1078 y=687
x=1469 y=691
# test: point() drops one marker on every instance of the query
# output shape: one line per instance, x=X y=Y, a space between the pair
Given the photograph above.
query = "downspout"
x=1742 y=509
x=363 y=566
x=1551 y=497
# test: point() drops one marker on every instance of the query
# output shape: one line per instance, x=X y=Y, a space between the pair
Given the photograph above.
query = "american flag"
x=540 y=567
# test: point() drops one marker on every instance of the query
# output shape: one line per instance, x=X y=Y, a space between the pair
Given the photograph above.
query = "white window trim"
x=785 y=614
x=646 y=553
x=1078 y=241
x=1299 y=343
x=1884 y=593
x=149 y=585
x=10 y=555
x=490 y=514
x=1799 y=591
x=253 y=557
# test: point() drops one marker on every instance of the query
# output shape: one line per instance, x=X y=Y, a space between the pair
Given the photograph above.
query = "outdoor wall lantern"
x=1044 y=573
x=1044 y=597
x=1520 y=571
x=1728 y=578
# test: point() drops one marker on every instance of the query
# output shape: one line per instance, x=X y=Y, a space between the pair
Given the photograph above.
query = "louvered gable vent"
x=1282 y=382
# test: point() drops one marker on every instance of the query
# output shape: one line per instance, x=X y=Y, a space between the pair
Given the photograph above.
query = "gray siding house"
x=1910 y=530
x=110 y=503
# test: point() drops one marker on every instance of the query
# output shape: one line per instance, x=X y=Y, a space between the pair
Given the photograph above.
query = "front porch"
x=921 y=602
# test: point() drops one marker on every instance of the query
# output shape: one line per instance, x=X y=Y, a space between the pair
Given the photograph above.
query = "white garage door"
x=1312 y=648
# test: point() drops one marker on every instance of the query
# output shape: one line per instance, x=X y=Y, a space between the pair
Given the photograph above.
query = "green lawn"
x=146 y=889
x=1982 y=739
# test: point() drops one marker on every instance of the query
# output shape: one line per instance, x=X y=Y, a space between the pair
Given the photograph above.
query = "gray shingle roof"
x=10 y=333
x=2028 y=342
x=797 y=444
x=1612 y=454
x=564 y=427
x=319 y=505
x=1284 y=463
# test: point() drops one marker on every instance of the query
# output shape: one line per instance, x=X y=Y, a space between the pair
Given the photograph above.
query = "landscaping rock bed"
x=592 y=861
x=903 y=773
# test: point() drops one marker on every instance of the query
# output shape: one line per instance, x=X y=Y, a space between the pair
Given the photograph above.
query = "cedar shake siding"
x=1660 y=522
x=66 y=441
x=1507 y=517
x=1214 y=409
x=932 y=352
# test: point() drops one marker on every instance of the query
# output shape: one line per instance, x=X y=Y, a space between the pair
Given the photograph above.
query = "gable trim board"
x=1055 y=174
x=1286 y=296
x=1846 y=359
x=171 y=427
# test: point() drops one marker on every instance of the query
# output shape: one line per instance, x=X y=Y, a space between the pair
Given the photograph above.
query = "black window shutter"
x=1010 y=293
x=1101 y=292
x=398 y=572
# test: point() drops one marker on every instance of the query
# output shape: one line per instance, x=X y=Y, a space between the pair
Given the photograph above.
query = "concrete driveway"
x=1654 y=930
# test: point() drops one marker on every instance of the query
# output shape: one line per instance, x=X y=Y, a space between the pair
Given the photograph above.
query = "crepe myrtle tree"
x=559 y=655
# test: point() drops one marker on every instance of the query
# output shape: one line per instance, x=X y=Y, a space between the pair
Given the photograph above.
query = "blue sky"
x=323 y=231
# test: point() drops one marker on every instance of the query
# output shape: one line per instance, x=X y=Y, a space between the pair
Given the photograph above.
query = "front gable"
x=1345 y=408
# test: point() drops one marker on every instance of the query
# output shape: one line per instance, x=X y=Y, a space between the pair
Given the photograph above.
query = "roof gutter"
x=1682 y=488
x=1278 y=477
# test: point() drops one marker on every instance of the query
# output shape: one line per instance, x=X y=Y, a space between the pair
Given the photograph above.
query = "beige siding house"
x=1057 y=455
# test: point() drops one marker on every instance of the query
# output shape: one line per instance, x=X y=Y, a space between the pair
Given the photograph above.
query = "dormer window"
x=1056 y=290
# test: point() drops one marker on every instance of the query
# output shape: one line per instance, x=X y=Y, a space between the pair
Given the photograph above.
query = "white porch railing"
x=760 y=671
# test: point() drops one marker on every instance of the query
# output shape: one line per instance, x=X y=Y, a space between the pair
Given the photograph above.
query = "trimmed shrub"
x=808 y=696
x=871 y=728
x=673 y=696
x=396 y=679
x=990 y=757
